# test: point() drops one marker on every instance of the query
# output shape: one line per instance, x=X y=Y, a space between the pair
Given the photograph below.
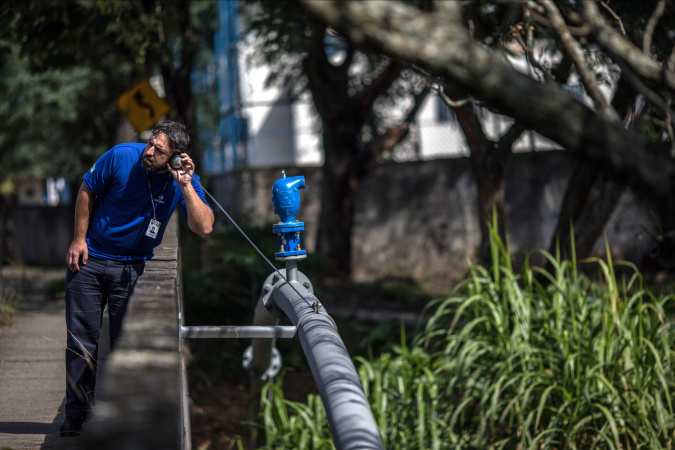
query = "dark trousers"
x=98 y=282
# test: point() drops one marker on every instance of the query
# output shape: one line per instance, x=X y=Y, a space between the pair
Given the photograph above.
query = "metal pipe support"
x=245 y=332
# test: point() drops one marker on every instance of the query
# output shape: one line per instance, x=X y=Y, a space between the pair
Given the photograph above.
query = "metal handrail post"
x=261 y=362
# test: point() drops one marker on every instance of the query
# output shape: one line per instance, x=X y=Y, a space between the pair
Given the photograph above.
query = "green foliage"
x=227 y=269
x=58 y=115
x=282 y=35
x=42 y=119
x=531 y=360
x=63 y=64
x=9 y=297
x=290 y=424
x=285 y=34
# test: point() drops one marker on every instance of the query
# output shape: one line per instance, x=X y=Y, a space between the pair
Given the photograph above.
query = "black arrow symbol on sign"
x=138 y=96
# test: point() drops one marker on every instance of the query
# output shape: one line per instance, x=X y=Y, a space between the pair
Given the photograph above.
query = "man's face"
x=157 y=153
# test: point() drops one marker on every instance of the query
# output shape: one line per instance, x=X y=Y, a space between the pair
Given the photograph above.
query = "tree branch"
x=475 y=136
x=650 y=95
x=390 y=138
x=370 y=93
x=583 y=30
x=450 y=102
x=574 y=50
x=529 y=55
x=651 y=26
x=615 y=15
x=511 y=136
x=561 y=73
x=670 y=62
x=349 y=58
x=669 y=125
x=443 y=47
x=610 y=40
x=419 y=100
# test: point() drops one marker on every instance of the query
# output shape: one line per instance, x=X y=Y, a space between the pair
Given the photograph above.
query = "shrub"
x=531 y=360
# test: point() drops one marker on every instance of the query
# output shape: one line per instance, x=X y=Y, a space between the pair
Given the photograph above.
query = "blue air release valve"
x=286 y=199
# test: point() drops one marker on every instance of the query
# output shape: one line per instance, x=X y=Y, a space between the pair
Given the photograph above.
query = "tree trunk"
x=343 y=117
x=589 y=201
x=591 y=195
x=488 y=162
x=341 y=127
x=338 y=195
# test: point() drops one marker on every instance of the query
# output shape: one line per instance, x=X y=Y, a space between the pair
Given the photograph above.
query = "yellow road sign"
x=142 y=106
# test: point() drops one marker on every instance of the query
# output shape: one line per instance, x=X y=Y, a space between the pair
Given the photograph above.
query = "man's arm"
x=200 y=217
x=84 y=206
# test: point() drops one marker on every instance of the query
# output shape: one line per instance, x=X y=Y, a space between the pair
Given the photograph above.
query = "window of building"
x=444 y=113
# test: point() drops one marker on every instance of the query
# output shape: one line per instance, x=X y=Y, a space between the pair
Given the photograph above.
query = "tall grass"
x=538 y=359
x=294 y=425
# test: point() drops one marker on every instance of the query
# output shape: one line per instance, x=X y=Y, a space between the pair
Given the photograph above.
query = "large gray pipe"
x=349 y=415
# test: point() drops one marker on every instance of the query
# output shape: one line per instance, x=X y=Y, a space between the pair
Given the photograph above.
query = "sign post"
x=142 y=106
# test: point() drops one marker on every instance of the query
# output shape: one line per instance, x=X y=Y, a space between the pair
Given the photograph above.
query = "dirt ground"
x=219 y=411
x=217 y=414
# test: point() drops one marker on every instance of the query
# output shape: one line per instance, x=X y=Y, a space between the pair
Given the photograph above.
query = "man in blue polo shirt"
x=121 y=212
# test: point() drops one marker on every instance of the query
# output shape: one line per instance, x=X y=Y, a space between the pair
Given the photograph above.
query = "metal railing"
x=349 y=415
x=289 y=294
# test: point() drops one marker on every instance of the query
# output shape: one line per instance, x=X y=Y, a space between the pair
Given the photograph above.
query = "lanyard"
x=152 y=202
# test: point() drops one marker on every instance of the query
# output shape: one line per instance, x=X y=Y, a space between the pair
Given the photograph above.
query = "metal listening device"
x=175 y=161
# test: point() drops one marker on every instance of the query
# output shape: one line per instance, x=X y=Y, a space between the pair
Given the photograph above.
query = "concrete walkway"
x=32 y=370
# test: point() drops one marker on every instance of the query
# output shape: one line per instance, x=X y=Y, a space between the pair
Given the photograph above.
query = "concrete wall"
x=419 y=220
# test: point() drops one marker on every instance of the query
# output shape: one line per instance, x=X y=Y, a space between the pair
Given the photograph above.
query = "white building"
x=282 y=131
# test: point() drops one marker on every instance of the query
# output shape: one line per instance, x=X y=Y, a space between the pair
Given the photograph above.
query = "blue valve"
x=286 y=200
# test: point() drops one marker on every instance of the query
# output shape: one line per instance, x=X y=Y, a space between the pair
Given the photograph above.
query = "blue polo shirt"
x=123 y=207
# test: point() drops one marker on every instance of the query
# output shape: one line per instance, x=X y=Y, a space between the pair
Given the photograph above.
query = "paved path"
x=32 y=375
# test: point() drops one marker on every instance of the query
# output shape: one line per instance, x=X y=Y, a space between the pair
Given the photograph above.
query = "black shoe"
x=72 y=426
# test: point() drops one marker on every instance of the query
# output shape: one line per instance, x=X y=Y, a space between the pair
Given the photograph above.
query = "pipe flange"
x=272 y=370
x=271 y=283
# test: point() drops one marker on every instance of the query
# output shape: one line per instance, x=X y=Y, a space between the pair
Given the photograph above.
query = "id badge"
x=153 y=229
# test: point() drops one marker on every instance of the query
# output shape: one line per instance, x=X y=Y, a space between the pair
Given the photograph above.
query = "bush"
x=531 y=360
x=9 y=297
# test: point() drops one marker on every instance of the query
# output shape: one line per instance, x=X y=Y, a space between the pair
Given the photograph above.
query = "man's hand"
x=84 y=205
x=183 y=177
x=78 y=249
x=200 y=217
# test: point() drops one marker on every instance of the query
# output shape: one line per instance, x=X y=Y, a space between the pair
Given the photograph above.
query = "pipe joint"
x=274 y=281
